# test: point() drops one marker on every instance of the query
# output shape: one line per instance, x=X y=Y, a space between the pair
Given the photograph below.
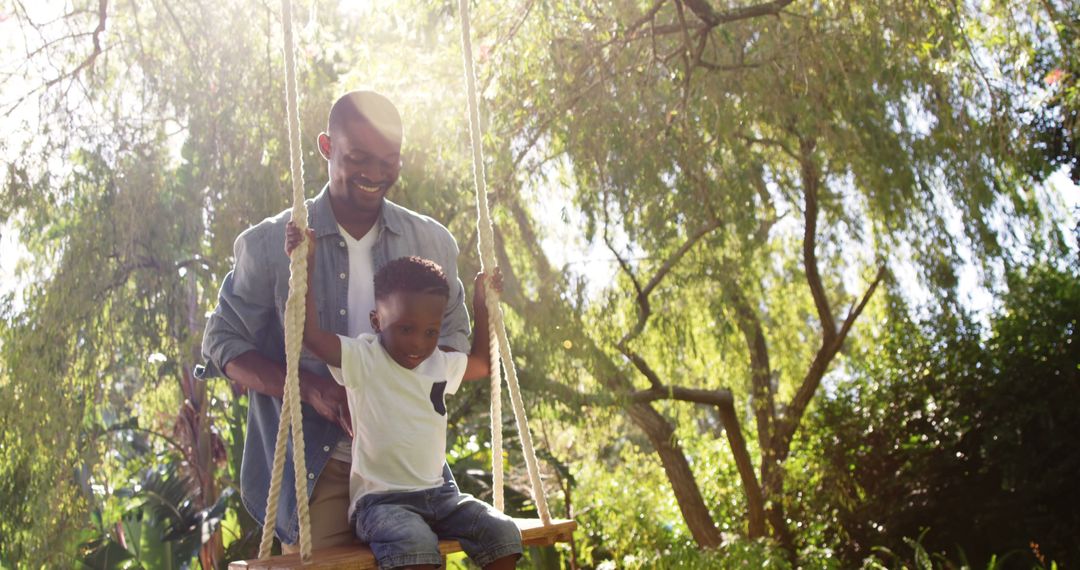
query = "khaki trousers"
x=329 y=510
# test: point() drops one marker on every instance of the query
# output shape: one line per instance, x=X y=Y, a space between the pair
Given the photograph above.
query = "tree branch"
x=542 y=126
x=633 y=28
x=712 y=18
x=755 y=500
x=644 y=308
x=786 y=428
x=720 y=397
x=760 y=370
x=87 y=63
x=679 y=473
x=811 y=178
x=764 y=141
x=858 y=309
x=669 y=264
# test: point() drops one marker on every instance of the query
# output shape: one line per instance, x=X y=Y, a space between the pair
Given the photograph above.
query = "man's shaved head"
x=369 y=107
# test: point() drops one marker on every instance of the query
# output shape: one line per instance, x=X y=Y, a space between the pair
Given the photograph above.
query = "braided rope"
x=294 y=326
x=488 y=259
x=496 y=416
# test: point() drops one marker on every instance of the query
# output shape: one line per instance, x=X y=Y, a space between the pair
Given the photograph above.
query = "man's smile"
x=366 y=186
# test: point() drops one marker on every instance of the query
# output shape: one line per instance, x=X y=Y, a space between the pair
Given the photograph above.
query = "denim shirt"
x=249 y=316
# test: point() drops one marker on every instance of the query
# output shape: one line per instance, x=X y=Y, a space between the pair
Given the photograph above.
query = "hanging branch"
x=87 y=63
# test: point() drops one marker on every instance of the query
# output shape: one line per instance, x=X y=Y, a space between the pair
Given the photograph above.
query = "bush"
x=963 y=430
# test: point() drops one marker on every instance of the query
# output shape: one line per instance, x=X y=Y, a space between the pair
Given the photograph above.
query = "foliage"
x=949 y=426
x=159 y=528
x=1055 y=69
x=921 y=559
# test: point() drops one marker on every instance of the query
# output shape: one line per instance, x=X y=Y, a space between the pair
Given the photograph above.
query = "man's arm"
x=255 y=372
x=245 y=310
x=454 y=336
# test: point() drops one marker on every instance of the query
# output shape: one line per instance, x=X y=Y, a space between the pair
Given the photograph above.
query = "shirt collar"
x=322 y=219
x=321 y=215
x=390 y=217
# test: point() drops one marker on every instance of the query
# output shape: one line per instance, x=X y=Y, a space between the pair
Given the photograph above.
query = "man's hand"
x=331 y=402
x=255 y=372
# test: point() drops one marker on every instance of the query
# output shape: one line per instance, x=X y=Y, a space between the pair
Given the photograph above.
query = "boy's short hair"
x=411 y=275
x=368 y=106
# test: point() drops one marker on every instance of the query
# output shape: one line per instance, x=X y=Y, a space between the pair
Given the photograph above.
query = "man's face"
x=408 y=325
x=363 y=165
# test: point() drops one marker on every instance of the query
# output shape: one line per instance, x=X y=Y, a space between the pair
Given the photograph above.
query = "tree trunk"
x=677 y=468
x=773 y=490
x=755 y=502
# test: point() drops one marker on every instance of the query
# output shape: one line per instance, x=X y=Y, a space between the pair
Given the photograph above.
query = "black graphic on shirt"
x=438 y=389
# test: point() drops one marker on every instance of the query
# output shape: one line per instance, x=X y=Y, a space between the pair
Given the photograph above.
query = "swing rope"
x=294 y=325
x=488 y=259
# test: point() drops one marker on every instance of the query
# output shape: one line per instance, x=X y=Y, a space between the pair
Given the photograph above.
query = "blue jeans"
x=403 y=529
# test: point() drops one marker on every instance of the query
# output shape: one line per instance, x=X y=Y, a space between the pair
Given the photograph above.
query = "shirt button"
x=341 y=244
x=310 y=475
x=342 y=311
x=341 y=275
x=326 y=448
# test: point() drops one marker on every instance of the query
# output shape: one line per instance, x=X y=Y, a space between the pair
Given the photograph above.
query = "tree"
x=751 y=169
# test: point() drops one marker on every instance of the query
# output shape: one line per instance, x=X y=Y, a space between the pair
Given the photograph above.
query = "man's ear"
x=374 y=321
x=324 y=145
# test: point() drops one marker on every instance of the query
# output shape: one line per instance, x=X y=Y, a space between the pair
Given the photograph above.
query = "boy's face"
x=408 y=325
x=362 y=163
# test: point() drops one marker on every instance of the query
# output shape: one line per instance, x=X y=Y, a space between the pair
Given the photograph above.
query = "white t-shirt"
x=360 y=300
x=398 y=416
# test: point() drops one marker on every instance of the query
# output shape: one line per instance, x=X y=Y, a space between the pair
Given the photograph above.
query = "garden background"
x=789 y=283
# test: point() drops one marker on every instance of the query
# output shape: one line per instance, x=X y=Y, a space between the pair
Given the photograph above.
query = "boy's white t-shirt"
x=360 y=299
x=398 y=416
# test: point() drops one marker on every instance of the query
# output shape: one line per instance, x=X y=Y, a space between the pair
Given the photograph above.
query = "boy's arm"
x=326 y=345
x=479 y=364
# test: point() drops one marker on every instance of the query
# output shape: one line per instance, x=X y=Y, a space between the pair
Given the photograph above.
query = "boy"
x=396 y=381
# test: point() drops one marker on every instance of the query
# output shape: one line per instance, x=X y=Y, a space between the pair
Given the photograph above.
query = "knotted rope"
x=294 y=326
x=488 y=259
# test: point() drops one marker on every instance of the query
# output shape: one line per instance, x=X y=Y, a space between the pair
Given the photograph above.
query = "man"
x=358 y=232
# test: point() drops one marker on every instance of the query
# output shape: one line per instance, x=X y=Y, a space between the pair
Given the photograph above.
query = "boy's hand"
x=483 y=281
x=479 y=363
x=293 y=237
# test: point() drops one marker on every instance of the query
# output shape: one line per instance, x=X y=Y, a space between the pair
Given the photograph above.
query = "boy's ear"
x=374 y=316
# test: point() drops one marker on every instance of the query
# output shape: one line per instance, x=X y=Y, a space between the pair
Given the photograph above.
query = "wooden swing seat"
x=359 y=557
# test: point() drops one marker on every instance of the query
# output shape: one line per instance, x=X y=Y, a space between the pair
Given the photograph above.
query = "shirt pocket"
x=438 y=397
